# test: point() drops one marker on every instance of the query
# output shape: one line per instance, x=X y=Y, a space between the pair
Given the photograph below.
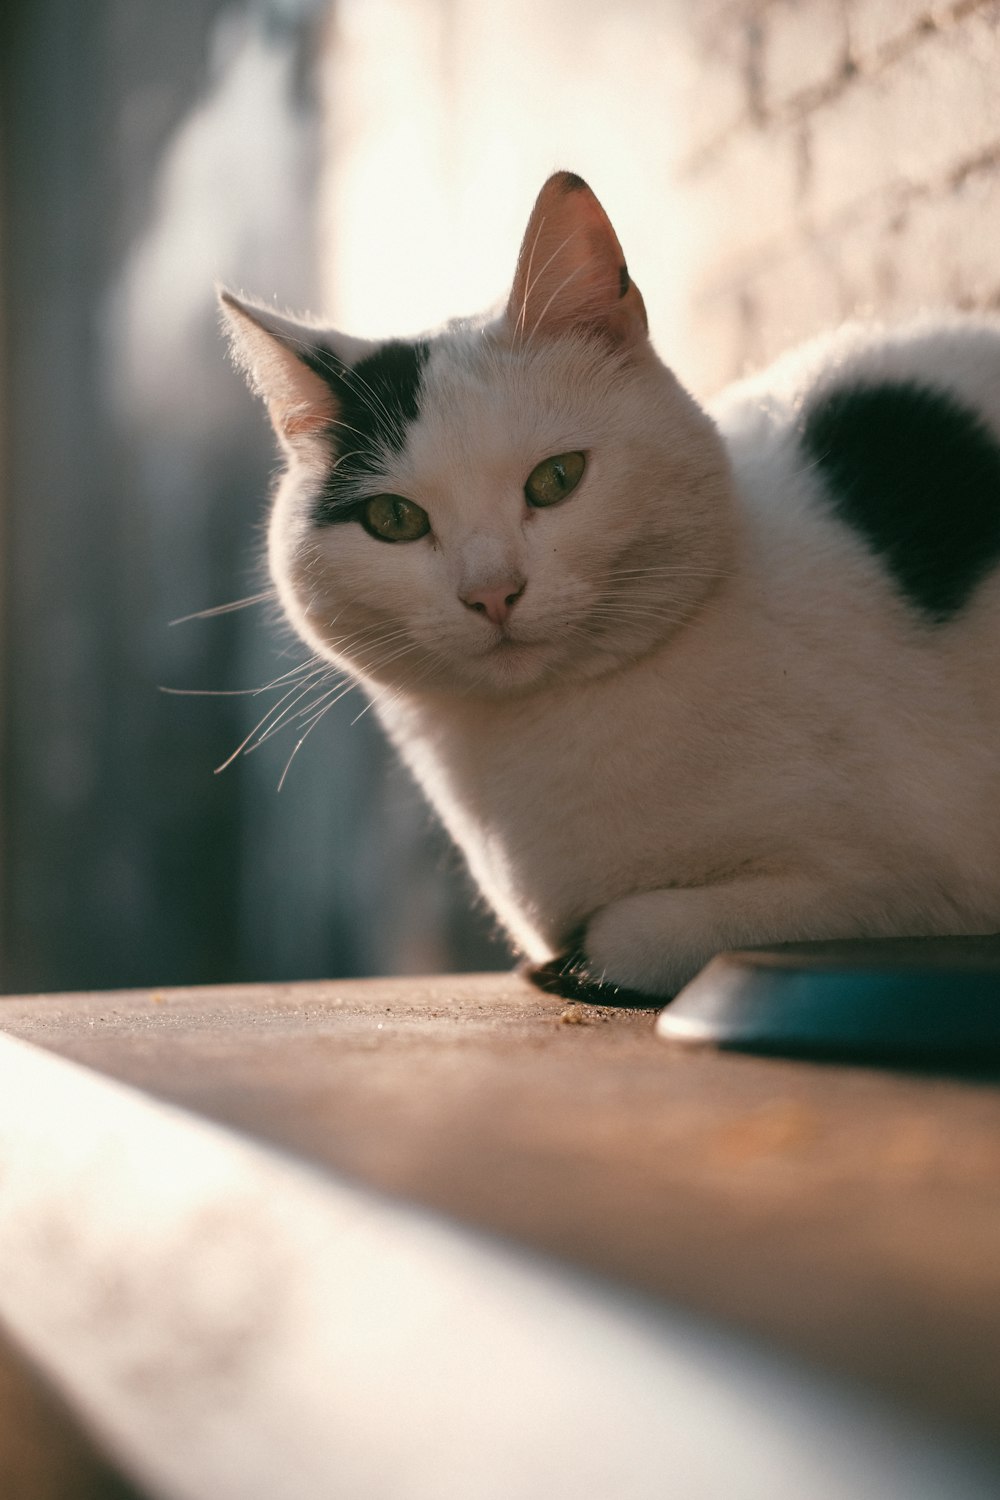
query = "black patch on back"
x=917 y=474
x=377 y=399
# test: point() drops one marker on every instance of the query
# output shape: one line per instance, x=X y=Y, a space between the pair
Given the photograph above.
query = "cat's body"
x=731 y=687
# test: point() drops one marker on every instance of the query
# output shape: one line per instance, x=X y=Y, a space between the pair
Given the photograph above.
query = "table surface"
x=849 y=1215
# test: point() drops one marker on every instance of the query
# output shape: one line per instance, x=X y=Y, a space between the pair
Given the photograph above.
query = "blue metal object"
x=926 y=1001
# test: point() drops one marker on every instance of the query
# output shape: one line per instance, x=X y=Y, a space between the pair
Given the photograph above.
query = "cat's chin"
x=512 y=666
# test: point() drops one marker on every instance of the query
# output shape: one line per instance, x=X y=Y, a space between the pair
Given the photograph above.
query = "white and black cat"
x=675 y=682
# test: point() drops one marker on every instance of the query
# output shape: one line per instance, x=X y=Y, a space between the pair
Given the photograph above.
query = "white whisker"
x=253 y=692
x=558 y=292
x=225 y=609
x=530 y=283
x=293 y=690
x=289 y=715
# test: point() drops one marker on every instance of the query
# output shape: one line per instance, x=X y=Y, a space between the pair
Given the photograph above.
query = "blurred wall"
x=118 y=506
x=148 y=151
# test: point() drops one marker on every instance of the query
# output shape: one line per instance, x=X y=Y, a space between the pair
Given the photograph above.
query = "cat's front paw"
x=637 y=951
x=572 y=977
x=639 y=946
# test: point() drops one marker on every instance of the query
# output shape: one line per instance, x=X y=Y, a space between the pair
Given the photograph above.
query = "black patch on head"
x=569 y=182
x=623 y=280
x=377 y=399
x=917 y=474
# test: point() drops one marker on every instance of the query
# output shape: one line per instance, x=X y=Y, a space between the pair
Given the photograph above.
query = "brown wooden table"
x=849 y=1215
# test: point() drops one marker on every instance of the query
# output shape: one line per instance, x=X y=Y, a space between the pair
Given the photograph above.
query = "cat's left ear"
x=571 y=272
x=281 y=359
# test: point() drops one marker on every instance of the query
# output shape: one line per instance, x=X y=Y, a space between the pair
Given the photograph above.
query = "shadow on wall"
x=150 y=151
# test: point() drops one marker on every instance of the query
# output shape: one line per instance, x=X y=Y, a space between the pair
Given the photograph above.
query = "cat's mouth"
x=512 y=661
x=509 y=646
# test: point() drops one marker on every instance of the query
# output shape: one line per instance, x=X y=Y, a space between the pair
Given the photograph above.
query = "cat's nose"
x=495 y=603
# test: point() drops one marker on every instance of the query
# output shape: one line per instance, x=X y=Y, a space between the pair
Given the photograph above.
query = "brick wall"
x=772 y=166
x=833 y=158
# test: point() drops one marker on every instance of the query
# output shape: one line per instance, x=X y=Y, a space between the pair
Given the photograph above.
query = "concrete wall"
x=772 y=166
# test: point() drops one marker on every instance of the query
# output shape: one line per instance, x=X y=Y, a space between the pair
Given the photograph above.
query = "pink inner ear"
x=571 y=271
x=300 y=404
x=301 y=421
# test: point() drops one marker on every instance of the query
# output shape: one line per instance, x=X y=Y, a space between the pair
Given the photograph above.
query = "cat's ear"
x=280 y=359
x=571 y=272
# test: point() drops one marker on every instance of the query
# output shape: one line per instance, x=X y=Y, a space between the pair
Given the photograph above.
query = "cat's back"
x=888 y=443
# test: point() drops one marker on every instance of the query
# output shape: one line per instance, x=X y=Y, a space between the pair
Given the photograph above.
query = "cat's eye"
x=391 y=518
x=554 y=478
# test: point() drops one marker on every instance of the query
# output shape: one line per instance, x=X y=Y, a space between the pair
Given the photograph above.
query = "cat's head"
x=498 y=505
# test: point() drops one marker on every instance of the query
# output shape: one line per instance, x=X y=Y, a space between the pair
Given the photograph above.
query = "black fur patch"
x=377 y=399
x=623 y=280
x=569 y=182
x=917 y=474
x=569 y=977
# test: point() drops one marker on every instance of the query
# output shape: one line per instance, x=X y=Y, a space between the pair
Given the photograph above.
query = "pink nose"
x=496 y=604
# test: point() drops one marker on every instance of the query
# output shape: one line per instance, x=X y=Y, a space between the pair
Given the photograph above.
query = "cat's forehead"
x=378 y=398
x=460 y=413
x=480 y=396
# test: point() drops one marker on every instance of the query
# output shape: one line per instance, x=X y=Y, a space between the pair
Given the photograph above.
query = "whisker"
x=331 y=364
x=291 y=711
x=322 y=705
x=226 y=609
x=253 y=692
x=376 y=405
x=559 y=289
x=669 y=570
x=311 y=725
x=327 y=698
x=211 y=692
x=279 y=717
x=294 y=689
x=528 y=283
x=529 y=287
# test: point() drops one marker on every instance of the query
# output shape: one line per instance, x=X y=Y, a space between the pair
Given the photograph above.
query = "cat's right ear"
x=280 y=358
x=571 y=272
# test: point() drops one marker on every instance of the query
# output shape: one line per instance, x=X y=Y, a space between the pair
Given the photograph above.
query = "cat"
x=676 y=680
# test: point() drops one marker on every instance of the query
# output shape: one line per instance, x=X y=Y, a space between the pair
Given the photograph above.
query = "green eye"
x=393 y=519
x=554 y=478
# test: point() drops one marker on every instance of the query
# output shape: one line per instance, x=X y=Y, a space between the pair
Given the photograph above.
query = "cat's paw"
x=637 y=951
x=636 y=945
x=571 y=977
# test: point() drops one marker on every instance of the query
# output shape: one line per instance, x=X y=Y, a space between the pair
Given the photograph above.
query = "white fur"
x=713 y=722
